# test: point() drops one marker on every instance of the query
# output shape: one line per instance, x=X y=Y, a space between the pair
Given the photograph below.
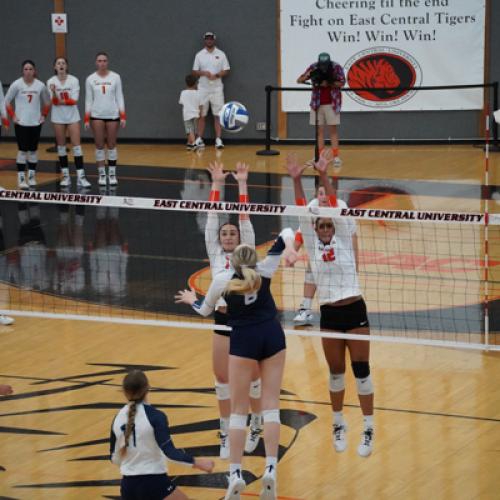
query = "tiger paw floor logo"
x=382 y=67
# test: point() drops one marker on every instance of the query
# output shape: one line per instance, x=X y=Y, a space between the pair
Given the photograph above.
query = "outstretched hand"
x=325 y=158
x=186 y=297
x=290 y=256
x=241 y=174
x=216 y=170
x=293 y=167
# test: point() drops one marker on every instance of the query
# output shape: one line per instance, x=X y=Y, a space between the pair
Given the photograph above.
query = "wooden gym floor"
x=438 y=409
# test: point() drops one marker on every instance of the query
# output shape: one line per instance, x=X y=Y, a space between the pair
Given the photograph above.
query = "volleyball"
x=233 y=116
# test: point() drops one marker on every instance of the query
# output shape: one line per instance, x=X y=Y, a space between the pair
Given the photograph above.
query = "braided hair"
x=135 y=387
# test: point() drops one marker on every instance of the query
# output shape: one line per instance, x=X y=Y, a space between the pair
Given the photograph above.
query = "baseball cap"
x=209 y=33
x=324 y=57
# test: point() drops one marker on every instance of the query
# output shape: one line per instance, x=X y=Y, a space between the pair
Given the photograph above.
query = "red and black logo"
x=380 y=68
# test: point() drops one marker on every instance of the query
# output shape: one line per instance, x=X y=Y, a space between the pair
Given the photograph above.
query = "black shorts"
x=259 y=341
x=106 y=119
x=344 y=318
x=146 y=487
x=27 y=137
x=221 y=318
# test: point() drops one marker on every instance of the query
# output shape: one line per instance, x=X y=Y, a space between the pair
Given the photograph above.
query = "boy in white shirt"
x=190 y=100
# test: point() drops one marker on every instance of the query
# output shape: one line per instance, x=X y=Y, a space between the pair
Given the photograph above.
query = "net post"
x=268 y=151
x=486 y=192
x=495 y=124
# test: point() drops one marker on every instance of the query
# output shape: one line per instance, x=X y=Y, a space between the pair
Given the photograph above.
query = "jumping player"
x=220 y=241
x=332 y=248
x=139 y=442
x=31 y=106
x=257 y=339
x=104 y=113
x=65 y=91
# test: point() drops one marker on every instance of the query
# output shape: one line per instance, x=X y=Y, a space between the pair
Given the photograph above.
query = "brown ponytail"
x=244 y=260
x=135 y=387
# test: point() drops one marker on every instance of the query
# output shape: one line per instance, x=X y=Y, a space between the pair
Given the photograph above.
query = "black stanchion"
x=268 y=151
x=495 y=146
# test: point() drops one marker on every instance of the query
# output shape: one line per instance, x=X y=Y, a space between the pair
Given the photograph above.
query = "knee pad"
x=361 y=369
x=77 y=151
x=32 y=157
x=100 y=155
x=309 y=277
x=255 y=389
x=237 y=421
x=21 y=157
x=271 y=416
x=337 y=382
x=365 y=386
x=222 y=391
x=112 y=154
x=61 y=151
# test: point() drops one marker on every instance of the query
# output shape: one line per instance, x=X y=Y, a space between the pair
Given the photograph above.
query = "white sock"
x=224 y=425
x=338 y=418
x=306 y=303
x=65 y=172
x=271 y=461
x=102 y=170
x=368 y=421
x=256 y=420
x=234 y=468
x=112 y=170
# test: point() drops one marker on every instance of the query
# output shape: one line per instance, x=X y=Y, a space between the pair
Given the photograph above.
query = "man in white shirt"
x=210 y=65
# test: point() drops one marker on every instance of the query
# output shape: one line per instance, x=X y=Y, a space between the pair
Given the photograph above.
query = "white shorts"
x=213 y=99
x=326 y=116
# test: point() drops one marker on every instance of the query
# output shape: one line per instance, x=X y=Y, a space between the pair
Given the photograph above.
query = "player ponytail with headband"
x=244 y=261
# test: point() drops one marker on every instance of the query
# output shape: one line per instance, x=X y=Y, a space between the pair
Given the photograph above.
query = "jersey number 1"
x=250 y=298
x=103 y=89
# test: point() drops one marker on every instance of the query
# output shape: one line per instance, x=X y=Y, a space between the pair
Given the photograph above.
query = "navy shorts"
x=221 y=318
x=344 y=318
x=146 y=487
x=260 y=341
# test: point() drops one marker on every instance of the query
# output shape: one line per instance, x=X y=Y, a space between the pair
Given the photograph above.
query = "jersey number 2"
x=250 y=298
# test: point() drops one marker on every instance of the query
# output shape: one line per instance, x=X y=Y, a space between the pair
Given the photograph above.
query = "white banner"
x=387 y=43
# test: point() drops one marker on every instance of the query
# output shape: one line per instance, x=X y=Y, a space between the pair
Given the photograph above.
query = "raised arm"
x=295 y=170
x=305 y=76
x=282 y=244
x=247 y=233
x=321 y=166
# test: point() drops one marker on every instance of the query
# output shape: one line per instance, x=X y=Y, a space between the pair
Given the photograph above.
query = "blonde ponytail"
x=244 y=260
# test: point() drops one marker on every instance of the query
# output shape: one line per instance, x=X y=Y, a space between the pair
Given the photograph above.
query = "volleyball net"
x=427 y=276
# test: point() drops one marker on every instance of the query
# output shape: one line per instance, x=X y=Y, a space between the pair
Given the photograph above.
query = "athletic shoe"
x=190 y=146
x=31 y=178
x=339 y=441
x=113 y=181
x=83 y=182
x=236 y=486
x=337 y=162
x=253 y=438
x=269 y=484
x=103 y=180
x=21 y=180
x=199 y=143
x=304 y=317
x=218 y=143
x=224 y=445
x=366 y=446
x=65 y=181
x=6 y=320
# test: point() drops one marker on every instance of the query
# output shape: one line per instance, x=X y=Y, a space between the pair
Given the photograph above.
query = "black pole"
x=268 y=151
x=495 y=107
x=316 y=133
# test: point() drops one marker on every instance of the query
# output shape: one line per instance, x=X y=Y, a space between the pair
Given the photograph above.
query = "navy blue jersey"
x=250 y=308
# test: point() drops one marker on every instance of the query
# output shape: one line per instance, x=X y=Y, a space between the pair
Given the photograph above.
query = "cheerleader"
x=220 y=241
x=65 y=90
x=104 y=113
x=31 y=106
x=257 y=340
x=333 y=254
x=139 y=442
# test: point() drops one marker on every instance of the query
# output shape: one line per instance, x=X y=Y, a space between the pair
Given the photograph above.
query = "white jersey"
x=104 y=96
x=334 y=264
x=214 y=61
x=65 y=100
x=28 y=101
x=148 y=445
x=220 y=260
x=191 y=102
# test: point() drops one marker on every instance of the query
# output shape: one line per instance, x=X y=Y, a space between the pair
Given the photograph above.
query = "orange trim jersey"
x=104 y=97
x=65 y=99
x=30 y=102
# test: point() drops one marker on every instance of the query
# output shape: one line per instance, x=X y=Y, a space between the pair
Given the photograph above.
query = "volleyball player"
x=220 y=241
x=333 y=253
x=139 y=442
x=31 y=106
x=65 y=91
x=257 y=340
x=104 y=113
